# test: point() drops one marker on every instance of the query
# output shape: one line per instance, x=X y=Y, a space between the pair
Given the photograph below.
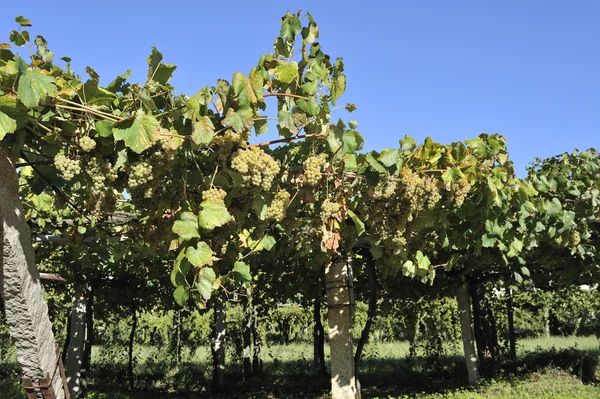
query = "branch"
x=52 y=276
x=284 y=95
x=20 y=165
x=286 y=140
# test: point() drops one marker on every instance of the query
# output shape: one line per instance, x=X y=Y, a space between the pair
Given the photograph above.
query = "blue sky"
x=447 y=69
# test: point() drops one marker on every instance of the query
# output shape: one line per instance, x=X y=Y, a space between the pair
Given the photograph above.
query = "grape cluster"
x=329 y=209
x=257 y=168
x=105 y=203
x=312 y=169
x=140 y=173
x=276 y=210
x=230 y=140
x=214 y=194
x=574 y=238
x=67 y=167
x=386 y=190
x=431 y=192
x=461 y=189
x=87 y=143
x=100 y=171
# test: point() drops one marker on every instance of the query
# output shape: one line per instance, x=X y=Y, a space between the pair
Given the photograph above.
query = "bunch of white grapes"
x=214 y=194
x=329 y=209
x=69 y=168
x=87 y=143
x=312 y=168
x=257 y=168
x=461 y=189
x=276 y=210
x=140 y=173
x=230 y=140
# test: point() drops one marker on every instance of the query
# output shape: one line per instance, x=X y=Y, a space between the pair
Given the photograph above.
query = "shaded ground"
x=545 y=368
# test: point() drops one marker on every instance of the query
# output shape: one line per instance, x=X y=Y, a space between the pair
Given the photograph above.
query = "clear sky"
x=528 y=70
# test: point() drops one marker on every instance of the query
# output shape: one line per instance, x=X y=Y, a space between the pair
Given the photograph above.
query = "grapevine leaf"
x=213 y=214
x=21 y=20
x=553 y=208
x=311 y=32
x=423 y=263
x=241 y=272
x=187 y=226
x=268 y=242
x=568 y=221
x=7 y=125
x=310 y=87
x=286 y=121
x=287 y=73
x=261 y=126
x=242 y=90
x=34 y=86
x=389 y=157
x=104 y=128
x=290 y=27
x=240 y=120
x=408 y=143
x=139 y=133
x=257 y=83
x=117 y=84
x=163 y=73
x=515 y=248
x=338 y=88
x=375 y=164
x=204 y=287
x=360 y=226
x=204 y=130
x=451 y=176
x=201 y=255
x=351 y=141
x=518 y=278
x=181 y=295
x=409 y=269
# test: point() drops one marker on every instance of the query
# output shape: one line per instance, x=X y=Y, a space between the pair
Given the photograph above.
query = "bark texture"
x=466 y=328
x=218 y=344
x=343 y=380
x=78 y=342
x=22 y=292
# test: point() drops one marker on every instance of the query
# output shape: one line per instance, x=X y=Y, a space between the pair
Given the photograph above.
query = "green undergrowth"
x=551 y=368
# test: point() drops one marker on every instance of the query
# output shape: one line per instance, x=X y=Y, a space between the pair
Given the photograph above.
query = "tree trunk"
x=343 y=381
x=22 y=292
x=131 y=341
x=257 y=341
x=372 y=312
x=318 y=337
x=218 y=343
x=247 y=333
x=78 y=336
x=89 y=329
x=512 y=338
x=466 y=328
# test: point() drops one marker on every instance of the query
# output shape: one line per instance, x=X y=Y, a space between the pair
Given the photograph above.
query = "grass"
x=386 y=372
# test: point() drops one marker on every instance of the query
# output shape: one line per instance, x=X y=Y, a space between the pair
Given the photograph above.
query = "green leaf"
x=310 y=87
x=206 y=281
x=241 y=272
x=389 y=157
x=287 y=73
x=286 y=121
x=204 y=131
x=408 y=143
x=409 y=269
x=117 y=84
x=7 y=125
x=290 y=27
x=242 y=90
x=240 y=120
x=104 y=128
x=338 y=88
x=21 y=20
x=568 y=221
x=34 y=86
x=553 y=208
x=423 y=263
x=139 y=133
x=518 y=278
x=268 y=242
x=163 y=73
x=515 y=248
x=200 y=256
x=19 y=38
x=310 y=33
x=451 y=176
x=261 y=126
x=186 y=226
x=213 y=214
x=351 y=141
x=181 y=295
x=376 y=165
x=360 y=226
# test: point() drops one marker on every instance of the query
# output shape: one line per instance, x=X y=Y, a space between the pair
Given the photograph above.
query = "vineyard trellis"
x=213 y=204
